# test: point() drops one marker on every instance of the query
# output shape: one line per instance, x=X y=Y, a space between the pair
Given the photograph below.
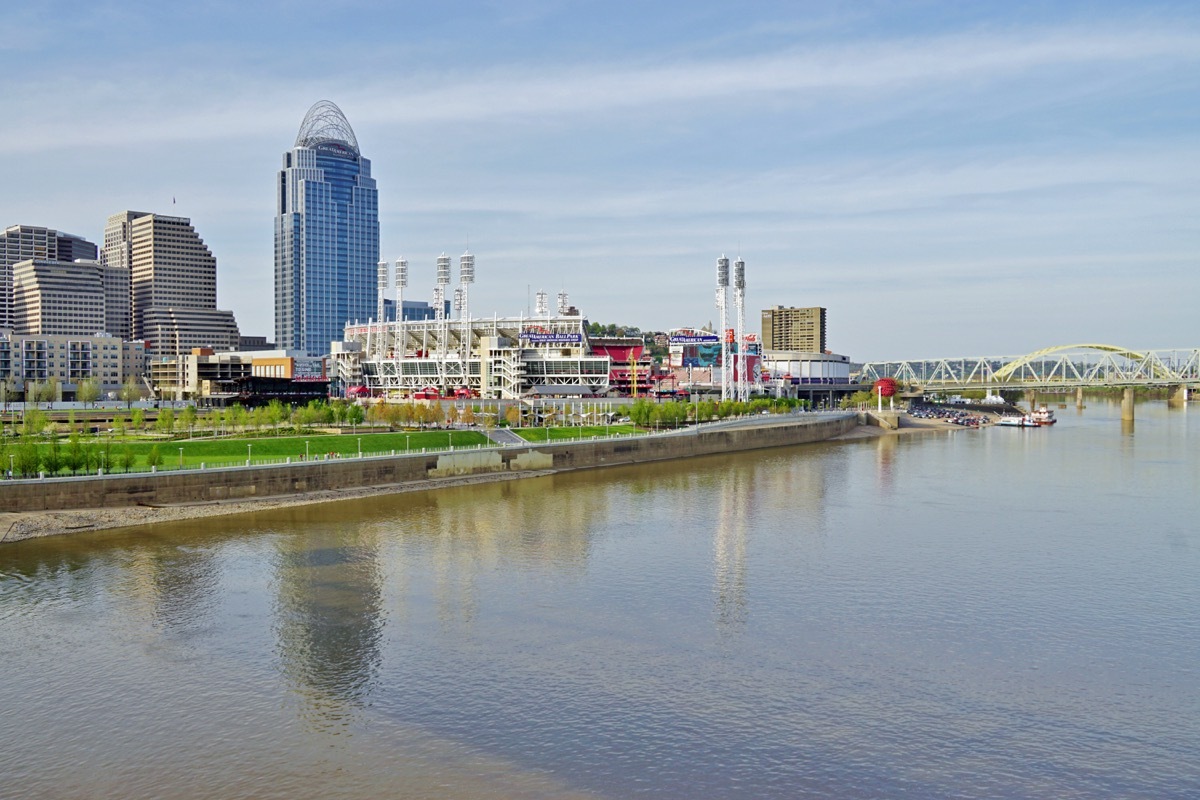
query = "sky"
x=946 y=178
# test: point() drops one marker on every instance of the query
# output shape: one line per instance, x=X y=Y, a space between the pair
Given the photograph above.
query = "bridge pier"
x=1079 y=397
x=1031 y=399
x=1177 y=396
x=1127 y=404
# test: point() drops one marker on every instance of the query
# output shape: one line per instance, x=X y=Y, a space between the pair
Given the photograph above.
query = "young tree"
x=128 y=459
x=166 y=421
x=28 y=458
x=277 y=413
x=138 y=419
x=48 y=392
x=75 y=459
x=355 y=415
x=187 y=419
x=467 y=417
x=33 y=423
x=512 y=415
x=130 y=392
x=88 y=391
x=52 y=459
x=154 y=457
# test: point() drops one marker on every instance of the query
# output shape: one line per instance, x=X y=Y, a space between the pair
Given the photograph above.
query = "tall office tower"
x=172 y=278
x=57 y=298
x=117 y=314
x=326 y=234
x=116 y=254
x=25 y=242
x=796 y=329
x=170 y=267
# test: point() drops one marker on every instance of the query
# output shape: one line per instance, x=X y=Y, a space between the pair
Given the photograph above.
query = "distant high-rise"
x=172 y=277
x=58 y=298
x=326 y=234
x=26 y=242
x=796 y=329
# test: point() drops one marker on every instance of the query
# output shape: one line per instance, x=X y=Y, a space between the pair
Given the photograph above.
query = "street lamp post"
x=181 y=458
x=306 y=449
x=406 y=438
x=248 y=451
x=360 y=447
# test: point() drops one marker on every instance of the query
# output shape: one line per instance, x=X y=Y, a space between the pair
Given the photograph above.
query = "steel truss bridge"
x=1069 y=366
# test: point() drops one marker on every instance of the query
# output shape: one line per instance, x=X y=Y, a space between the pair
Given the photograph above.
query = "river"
x=996 y=613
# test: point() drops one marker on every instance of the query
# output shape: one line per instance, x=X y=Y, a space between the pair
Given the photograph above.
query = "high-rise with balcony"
x=326 y=234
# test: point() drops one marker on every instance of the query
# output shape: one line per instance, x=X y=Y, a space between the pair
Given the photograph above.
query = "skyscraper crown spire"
x=325 y=122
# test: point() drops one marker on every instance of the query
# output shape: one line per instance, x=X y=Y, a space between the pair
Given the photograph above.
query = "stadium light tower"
x=439 y=299
x=466 y=276
x=739 y=302
x=722 y=301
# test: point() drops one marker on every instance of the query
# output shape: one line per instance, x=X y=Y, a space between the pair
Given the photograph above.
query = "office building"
x=172 y=282
x=794 y=329
x=27 y=242
x=326 y=235
x=57 y=298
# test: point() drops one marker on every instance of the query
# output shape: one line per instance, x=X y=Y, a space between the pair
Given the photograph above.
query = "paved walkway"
x=503 y=436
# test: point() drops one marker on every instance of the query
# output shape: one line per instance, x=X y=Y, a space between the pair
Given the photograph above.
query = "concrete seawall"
x=254 y=483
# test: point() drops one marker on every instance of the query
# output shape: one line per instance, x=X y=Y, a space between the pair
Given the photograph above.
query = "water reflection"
x=329 y=618
x=735 y=499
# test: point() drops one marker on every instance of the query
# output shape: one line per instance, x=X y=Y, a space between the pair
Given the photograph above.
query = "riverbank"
x=49 y=508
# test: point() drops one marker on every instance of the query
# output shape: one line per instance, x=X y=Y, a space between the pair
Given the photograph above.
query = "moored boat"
x=1043 y=416
x=1017 y=421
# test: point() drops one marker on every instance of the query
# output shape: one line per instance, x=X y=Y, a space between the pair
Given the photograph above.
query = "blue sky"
x=946 y=178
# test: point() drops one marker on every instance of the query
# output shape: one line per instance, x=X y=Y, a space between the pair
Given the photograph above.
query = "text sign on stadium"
x=543 y=337
x=696 y=339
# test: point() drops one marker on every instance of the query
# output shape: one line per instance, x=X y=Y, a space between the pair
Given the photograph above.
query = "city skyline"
x=1008 y=177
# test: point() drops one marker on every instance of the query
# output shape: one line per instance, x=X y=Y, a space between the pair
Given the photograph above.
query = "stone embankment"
x=47 y=507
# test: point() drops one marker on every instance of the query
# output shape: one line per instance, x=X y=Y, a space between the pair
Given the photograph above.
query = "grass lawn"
x=215 y=452
x=569 y=433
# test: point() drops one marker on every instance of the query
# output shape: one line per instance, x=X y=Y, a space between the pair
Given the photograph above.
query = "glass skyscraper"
x=326 y=234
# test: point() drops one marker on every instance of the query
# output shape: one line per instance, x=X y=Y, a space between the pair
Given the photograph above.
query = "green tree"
x=75 y=458
x=8 y=391
x=138 y=420
x=128 y=458
x=130 y=392
x=52 y=458
x=187 y=419
x=88 y=391
x=47 y=392
x=277 y=414
x=154 y=457
x=355 y=415
x=338 y=409
x=28 y=457
x=166 y=421
x=512 y=415
x=33 y=423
